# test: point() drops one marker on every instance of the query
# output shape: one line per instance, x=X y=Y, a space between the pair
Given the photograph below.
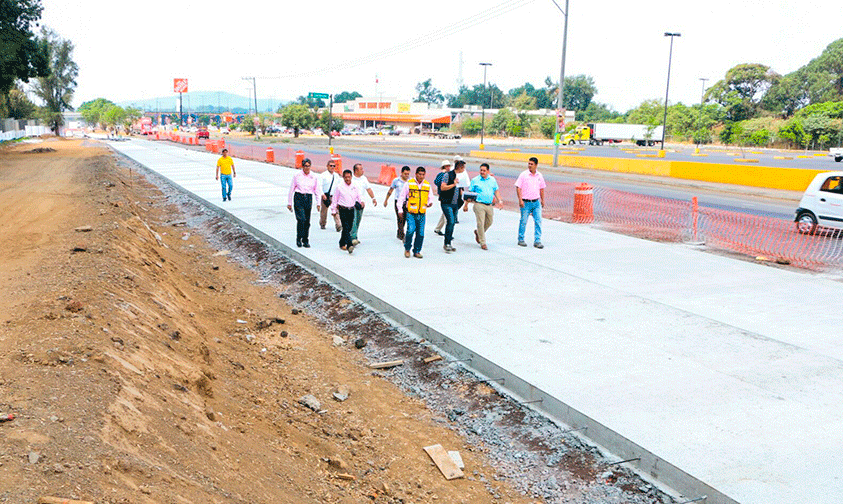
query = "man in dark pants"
x=304 y=188
x=395 y=188
x=450 y=198
x=346 y=199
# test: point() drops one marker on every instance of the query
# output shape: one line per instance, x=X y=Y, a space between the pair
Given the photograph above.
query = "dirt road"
x=145 y=364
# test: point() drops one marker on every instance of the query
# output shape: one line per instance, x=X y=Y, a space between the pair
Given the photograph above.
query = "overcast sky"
x=133 y=50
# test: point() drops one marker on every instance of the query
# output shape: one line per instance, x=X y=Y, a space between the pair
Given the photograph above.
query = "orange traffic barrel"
x=583 y=203
x=270 y=155
x=336 y=158
x=299 y=158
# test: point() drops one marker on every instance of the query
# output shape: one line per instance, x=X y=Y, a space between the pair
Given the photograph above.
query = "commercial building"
x=391 y=112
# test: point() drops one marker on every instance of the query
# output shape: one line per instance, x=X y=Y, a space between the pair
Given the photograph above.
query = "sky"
x=133 y=50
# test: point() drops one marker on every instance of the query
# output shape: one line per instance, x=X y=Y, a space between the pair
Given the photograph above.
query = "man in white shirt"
x=329 y=180
x=362 y=184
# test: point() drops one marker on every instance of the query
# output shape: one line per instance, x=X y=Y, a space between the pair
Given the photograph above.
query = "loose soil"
x=160 y=357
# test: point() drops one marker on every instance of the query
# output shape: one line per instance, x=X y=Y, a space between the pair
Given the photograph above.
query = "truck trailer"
x=600 y=133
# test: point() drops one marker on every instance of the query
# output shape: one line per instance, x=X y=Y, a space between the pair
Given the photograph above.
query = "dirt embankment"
x=142 y=367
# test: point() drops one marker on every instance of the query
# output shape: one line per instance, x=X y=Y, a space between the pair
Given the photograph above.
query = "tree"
x=429 y=94
x=598 y=112
x=93 y=110
x=345 y=96
x=648 y=112
x=476 y=95
x=113 y=116
x=740 y=92
x=17 y=105
x=579 y=90
x=508 y=122
x=23 y=55
x=131 y=116
x=336 y=123
x=310 y=102
x=56 y=89
x=297 y=117
x=523 y=101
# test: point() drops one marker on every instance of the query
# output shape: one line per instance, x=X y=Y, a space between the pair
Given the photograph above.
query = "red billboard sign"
x=180 y=85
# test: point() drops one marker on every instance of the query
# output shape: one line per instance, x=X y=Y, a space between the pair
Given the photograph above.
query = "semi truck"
x=600 y=133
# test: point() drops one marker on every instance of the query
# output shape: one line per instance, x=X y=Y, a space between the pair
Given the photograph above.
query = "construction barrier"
x=270 y=155
x=584 y=203
x=337 y=159
x=299 y=158
x=387 y=175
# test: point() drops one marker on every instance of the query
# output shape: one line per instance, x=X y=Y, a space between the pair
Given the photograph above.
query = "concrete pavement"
x=725 y=376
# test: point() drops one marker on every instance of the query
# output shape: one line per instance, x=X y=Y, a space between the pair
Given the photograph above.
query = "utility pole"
x=702 y=94
x=560 y=112
x=483 y=105
x=667 y=90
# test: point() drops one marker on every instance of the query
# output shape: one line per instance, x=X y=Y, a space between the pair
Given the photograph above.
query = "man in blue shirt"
x=488 y=194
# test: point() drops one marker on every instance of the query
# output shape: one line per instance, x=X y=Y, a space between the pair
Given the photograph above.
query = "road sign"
x=318 y=95
x=180 y=85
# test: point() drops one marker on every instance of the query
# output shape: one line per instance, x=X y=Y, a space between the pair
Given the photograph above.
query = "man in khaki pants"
x=488 y=194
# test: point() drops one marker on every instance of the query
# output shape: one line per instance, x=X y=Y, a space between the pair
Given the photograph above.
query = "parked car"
x=836 y=153
x=395 y=132
x=203 y=133
x=822 y=204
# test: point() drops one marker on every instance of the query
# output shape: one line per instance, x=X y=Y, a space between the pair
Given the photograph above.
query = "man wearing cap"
x=530 y=189
x=444 y=168
x=450 y=198
x=486 y=188
x=330 y=180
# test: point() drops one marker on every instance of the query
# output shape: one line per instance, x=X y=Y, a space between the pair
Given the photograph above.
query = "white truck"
x=600 y=133
x=836 y=153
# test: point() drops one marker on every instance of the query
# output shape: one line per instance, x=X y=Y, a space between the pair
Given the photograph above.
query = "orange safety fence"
x=650 y=217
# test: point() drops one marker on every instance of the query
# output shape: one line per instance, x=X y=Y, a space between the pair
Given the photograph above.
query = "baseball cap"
x=445 y=162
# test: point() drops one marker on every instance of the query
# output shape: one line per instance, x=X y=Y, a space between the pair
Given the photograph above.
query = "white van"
x=822 y=204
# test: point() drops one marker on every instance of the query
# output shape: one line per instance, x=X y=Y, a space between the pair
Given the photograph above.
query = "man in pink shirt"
x=345 y=198
x=530 y=189
x=303 y=190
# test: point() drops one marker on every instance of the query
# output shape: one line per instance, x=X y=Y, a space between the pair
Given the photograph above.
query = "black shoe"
x=440 y=233
x=305 y=244
x=298 y=243
x=229 y=197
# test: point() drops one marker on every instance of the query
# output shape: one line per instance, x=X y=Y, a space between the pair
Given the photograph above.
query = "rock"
x=80 y=248
x=283 y=334
x=215 y=268
x=84 y=229
x=359 y=343
x=241 y=321
x=338 y=463
x=34 y=457
x=250 y=338
x=295 y=311
x=385 y=488
x=74 y=306
x=342 y=393
x=311 y=402
x=338 y=341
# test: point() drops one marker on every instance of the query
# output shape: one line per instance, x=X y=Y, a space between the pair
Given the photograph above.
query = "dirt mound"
x=40 y=150
x=142 y=367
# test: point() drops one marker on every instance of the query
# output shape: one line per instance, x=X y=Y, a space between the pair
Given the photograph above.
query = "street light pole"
x=702 y=94
x=667 y=91
x=483 y=105
x=560 y=114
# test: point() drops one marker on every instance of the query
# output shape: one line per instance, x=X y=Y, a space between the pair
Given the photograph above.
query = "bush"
x=468 y=126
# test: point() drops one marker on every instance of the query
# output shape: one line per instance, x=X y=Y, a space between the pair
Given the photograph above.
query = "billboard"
x=180 y=85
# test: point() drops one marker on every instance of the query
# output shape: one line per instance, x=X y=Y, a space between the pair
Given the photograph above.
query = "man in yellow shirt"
x=225 y=172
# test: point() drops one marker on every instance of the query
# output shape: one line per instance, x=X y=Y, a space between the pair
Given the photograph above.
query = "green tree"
x=579 y=91
x=598 y=112
x=523 y=101
x=113 y=116
x=297 y=117
x=648 y=112
x=23 y=55
x=468 y=126
x=17 y=105
x=793 y=133
x=131 y=116
x=346 y=96
x=56 y=89
x=93 y=110
x=336 y=123
x=508 y=122
x=740 y=92
x=428 y=94
x=476 y=95
x=204 y=120
x=548 y=126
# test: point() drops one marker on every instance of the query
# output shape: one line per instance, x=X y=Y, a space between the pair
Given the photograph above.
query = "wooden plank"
x=432 y=358
x=388 y=364
x=59 y=500
x=444 y=462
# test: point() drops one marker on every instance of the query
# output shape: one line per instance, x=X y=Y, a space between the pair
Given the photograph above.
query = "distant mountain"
x=205 y=102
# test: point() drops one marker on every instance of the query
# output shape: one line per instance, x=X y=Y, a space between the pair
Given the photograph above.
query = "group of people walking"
x=344 y=197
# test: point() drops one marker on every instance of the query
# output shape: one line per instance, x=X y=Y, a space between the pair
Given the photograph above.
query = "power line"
x=422 y=40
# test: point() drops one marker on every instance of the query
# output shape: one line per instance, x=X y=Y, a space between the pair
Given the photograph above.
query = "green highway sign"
x=317 y=95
